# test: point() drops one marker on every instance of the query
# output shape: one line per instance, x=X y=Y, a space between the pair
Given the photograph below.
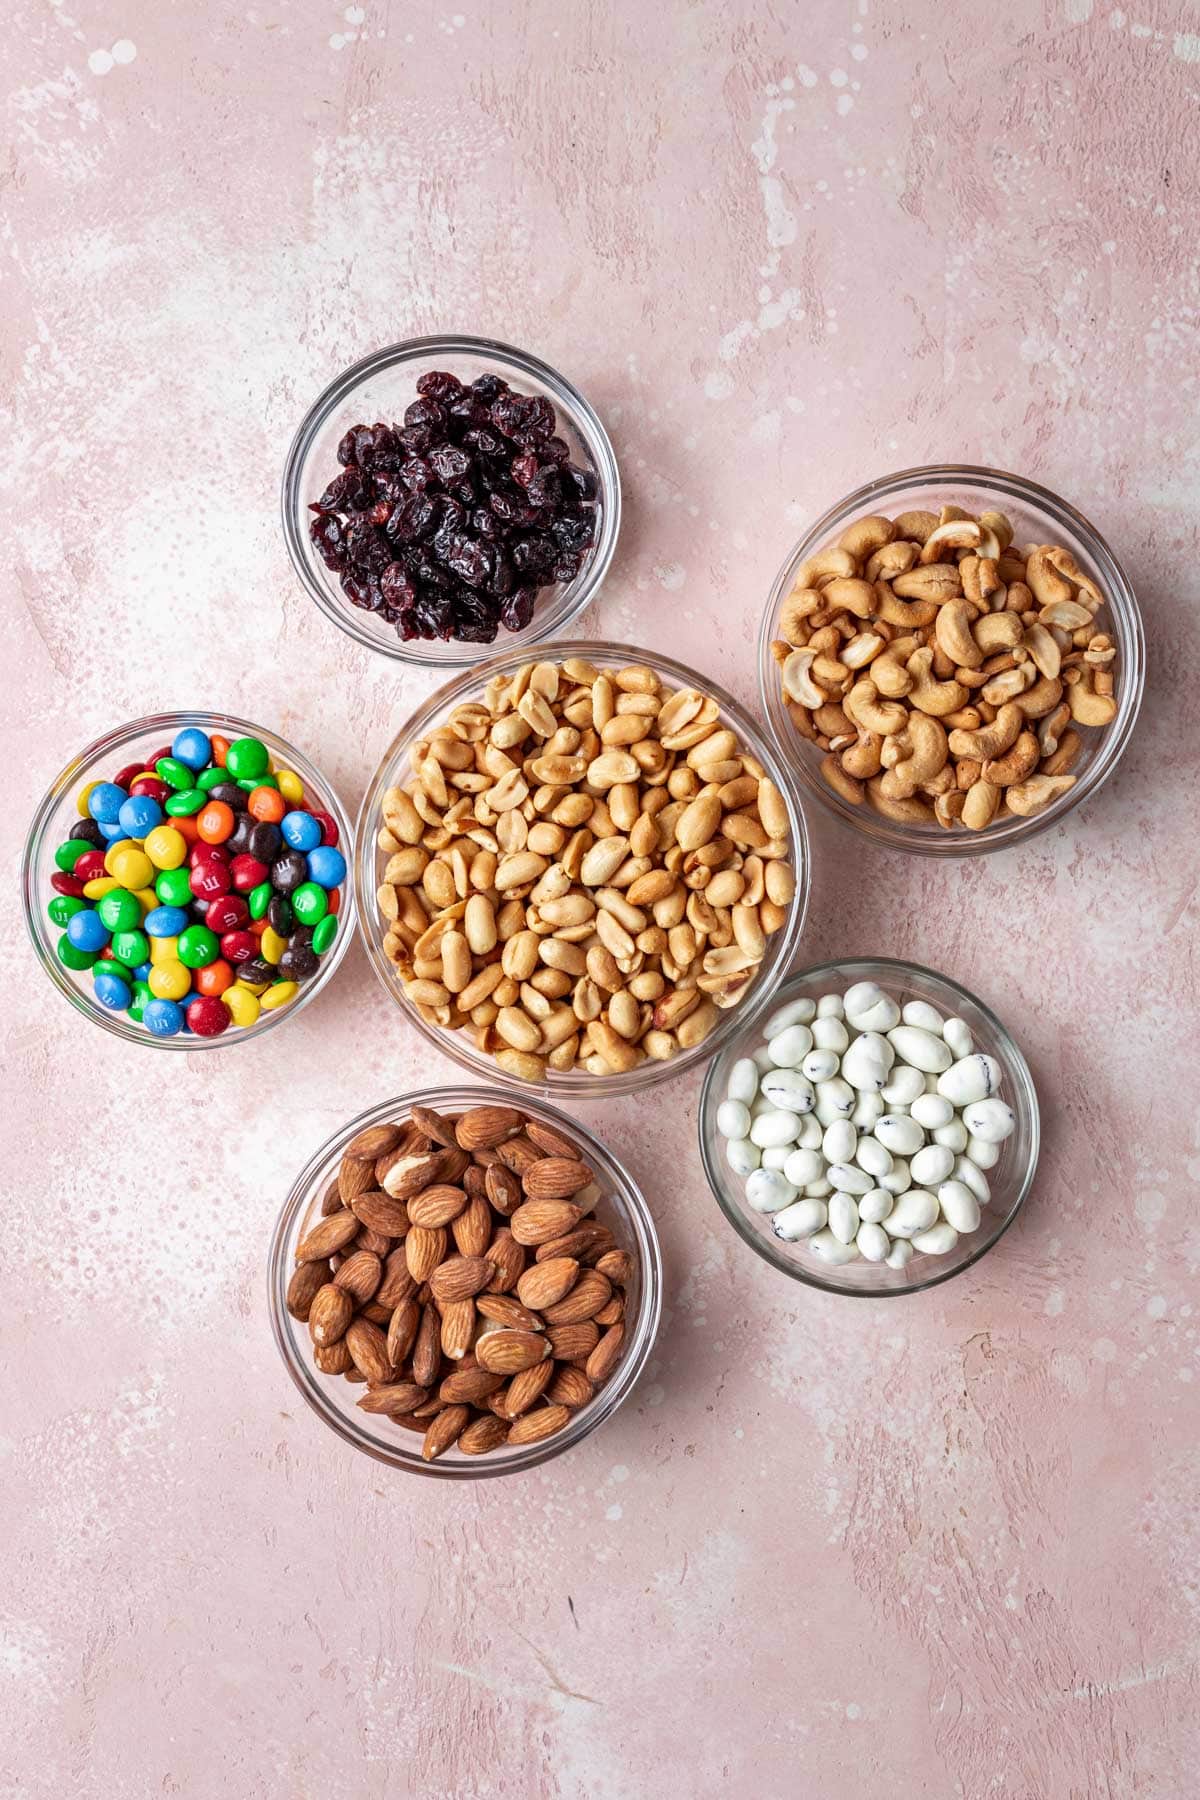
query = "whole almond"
x=526 y=1387
x=539 y=1220
x=375 y=1141
x=570 y=1386
x=402 y=1175
x=379 y=1212
x=377 y=1242
x=378 y=1315
x=532 y=1427
x=547 y=1282
x=397 y=1283
x=508 y=1352
x=617 y=1265
x=354 y=1177
x=460 y=1278
x=604 y=1358
x=469 y=1386
x=330 y=1313
x=402 y=1331
x=591 y=1292
x=612 y=1312
x=502 y=1309
x=444 y=1430
x=458 y=1328
x=436 y=1206
x=503 y=1189
x=484 y=1434
x=549 y=1141
x=332 y=1359
x=427 y=1348
x=428 y=1409
x=368 y=1351
x=483 y=1127
x=508 y=1259
x=408 y=1422
x=587 y=1237
x=327 y=1237
x=308 y=1278
x=573 y=1343
x=394 y=1397
x=331 y=1200
x=360 y=1275
x=475 y=1181
x=555 y=1178
x=472 y=1230
x=519 y=1155
x=438 y=1129
x=424 y=1250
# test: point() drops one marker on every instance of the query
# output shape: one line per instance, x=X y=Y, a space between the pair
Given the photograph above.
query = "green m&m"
x=174 y=887
x=247 y=759
x=119 y=910
x=198 y=946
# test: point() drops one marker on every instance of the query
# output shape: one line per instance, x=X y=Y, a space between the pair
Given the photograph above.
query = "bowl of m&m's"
x=187 y=880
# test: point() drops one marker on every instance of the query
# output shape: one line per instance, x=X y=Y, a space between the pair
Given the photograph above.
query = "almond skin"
x=374 y=1142
x=532 y=1427
x=604 y=1358
x=327 y=1237
x=332 y=1359
x=437 y=1129
x=402 y=1331
x=508 y=1352
x=547 y=1282
x=307 y=1280
x=469 y=1386
x=486 y=1433
x=504 y=1310
x=402 y=1175
x=549 y=1141
x=508 y=1259
x=572 y=1343
x=617 y=1265
x=472 y=1230
x=360 y=1275
x=519 y=1155
x=329 y=1315
x=368 y=1350
x=570 y=1387
x=591 y=1292
x=503 y=1189
x=587 y=1237
x=460 y=1278
x=555 y=1178
x=379 y=1212
x=354 y=1177
x=427 y=1348
x=436 y=1206
x=444 y=1430
x=483 y=1127
x=395 y=1397
x=397 y=1283
x=539 y=1220
x=526 y=1387
x=423 y=1251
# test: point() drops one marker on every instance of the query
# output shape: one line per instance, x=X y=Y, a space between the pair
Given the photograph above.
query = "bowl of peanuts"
x=582 y=871
x=952 y=658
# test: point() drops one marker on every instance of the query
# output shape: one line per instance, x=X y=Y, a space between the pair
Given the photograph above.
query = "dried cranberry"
x=357 y=592
x=397 y=586
x=414 y=518
x=437 y=384
x=524 y=468
x=470 y=560
x=475 y=620
x=545 y=488
x=517 y=610
x=427 y=414
x=555 y=449
x=582 y=480
x=489 y=386
x=449 y=463
x=533 y=555
x=507 y=414
x=484 y=523
x=572 y=531
x=539 y=420
x=347 y=450
x=389 y=487
x=378 y=514
x=326 y=533
x=567 y=568
x=416 y=474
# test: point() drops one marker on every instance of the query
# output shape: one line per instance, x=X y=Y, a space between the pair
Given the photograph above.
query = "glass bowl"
x=1038 y=516
x=102 y=760
x=1010 y=1179
x=395 y=767
x=380 y=387
x=623 y=1209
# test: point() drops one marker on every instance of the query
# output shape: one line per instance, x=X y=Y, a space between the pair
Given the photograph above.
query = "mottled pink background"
x=941 y=1547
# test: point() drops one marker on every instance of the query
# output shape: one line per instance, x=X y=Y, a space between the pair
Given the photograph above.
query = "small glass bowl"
x=395 y=769
x=1038 y=516
x=100 y=761
x=380 y=387
x=623 y=1209
x=1010 y=1179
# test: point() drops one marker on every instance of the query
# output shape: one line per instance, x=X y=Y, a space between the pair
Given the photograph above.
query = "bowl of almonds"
x=578 y=870
x=951 y=659
x=464 y=1283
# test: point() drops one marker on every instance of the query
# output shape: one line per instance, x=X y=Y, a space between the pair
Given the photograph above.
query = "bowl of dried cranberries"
x=447 y=494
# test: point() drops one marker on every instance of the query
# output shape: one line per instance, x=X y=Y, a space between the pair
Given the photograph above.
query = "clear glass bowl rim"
x=848 y=970
x=648 y=1074
x=559 y=615
x=33 y=903
x=1126 y=619
x=582 y=1423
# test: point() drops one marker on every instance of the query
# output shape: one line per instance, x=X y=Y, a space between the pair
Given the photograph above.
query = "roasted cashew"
x=991 y=740
x=797 y=679
x=862 y=649
x=1000 y=526
x=1016 y=765
x=1008 y=683
x=1052 y=727
x=1065 y=563
x=932 y=581
x=864 y=759
x=915 y=756
x=846 y=593
x=1090 y=708
x=866 y=535
x=831 y=674
x=952 y=630
x=956 y=534
x=894 y=559
x=1047 y=584
x=890 y=675
x=980 y=805
x=1045 y=650
x=850 y=790
x=1068 y=615
x=1041 y=698
x=929 y=694
x=863 y=705
x=799 y=606
x=1065 y=756
x=905 y=812
x=997 y=631
x=916 y=525
x=825 y=566
x=1034 y=795
x=832 y=720
x=965 y=719
x=910 y=614
x=948 y=808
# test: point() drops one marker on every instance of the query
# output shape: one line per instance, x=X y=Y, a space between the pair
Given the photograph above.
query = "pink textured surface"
x=943 y=1547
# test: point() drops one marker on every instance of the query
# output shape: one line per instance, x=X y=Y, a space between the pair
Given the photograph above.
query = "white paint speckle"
x=1104 y=1350
x=1187 y=46
x=124 y=50
x=1079 y=11
x=854 y=1710
x=100 y=62
x=1156 y=1306
x=354 y=15
x=718 y=384
x=613 y=1512
x=838 y=78
x=1150 y=1206
x=858 y=51
x=1054 y=1303
x=844 y=103
x=337 y=41
x=807 y=77
x=618 y=1472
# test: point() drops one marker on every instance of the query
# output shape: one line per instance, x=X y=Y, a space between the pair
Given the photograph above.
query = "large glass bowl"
x=101 y=761
x=1010 y=1179
x=395 y=768
x=1038 y=516
x=380 y=387
x=334 y=1400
